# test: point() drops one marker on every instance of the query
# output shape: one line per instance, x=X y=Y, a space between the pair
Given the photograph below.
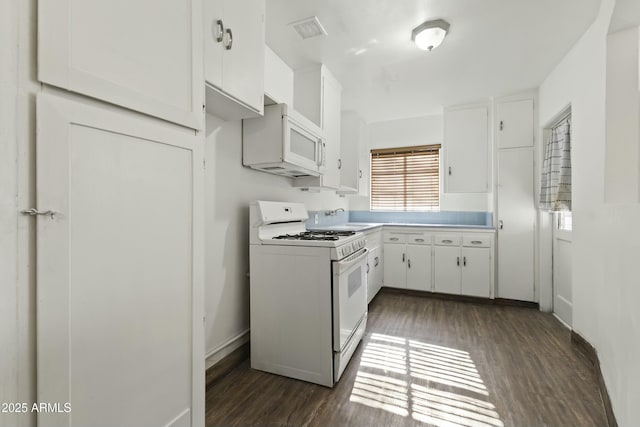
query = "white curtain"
x=555 y=191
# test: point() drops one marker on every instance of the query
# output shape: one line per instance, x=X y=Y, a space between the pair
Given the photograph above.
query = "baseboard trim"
x=224 y=358
x=461 y=298
x=590 y=352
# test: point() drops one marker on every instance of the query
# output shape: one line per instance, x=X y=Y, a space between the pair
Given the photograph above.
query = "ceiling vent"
x=309 y=27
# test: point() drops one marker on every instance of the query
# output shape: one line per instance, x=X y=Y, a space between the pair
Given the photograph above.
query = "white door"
x=446 y=266
x=120 y=267
x=419 y=267
x=466 y=146
x=516 y=224
x=395 y=274
x=476 y=272
x=562 y=279
x=145 y=55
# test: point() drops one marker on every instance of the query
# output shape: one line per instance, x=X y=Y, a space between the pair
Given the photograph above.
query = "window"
x=406 y=179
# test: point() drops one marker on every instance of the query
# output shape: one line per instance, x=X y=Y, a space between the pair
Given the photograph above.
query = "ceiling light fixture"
x=429 y=35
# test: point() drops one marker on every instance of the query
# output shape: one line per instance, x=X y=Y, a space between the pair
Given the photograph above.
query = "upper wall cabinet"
x=234 y=58
x=143 y=55
x=278 y=79
x=515 y=124
x=466 y=148
x=318 y=96
x=351 y=142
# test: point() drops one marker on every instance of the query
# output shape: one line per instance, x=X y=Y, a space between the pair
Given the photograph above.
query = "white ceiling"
x=494 y=48
x=626 y=14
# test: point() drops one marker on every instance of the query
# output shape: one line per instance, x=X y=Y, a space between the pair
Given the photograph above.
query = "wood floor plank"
x=427 y=361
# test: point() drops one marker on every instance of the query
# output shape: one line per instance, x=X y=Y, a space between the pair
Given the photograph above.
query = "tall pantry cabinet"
x=119 y=212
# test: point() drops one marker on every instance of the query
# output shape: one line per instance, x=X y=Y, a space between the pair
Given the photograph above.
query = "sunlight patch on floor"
x=425 y=363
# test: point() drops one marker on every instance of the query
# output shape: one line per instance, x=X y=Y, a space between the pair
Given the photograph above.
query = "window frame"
x=433 y=192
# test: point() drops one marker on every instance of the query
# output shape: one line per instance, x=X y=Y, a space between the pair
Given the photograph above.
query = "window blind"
x=406 y=179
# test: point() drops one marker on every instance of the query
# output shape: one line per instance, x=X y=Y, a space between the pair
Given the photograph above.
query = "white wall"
x=606 y=237
x=230 y=188
x=18 y=87
x=407 y=132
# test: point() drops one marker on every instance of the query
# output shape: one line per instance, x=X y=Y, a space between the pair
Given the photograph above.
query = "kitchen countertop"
x=368 y=226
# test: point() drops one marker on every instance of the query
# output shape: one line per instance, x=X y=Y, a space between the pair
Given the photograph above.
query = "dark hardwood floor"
x=434 y=362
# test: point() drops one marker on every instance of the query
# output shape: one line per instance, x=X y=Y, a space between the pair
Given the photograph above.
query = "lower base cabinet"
x=462 y=265
x=451 y=263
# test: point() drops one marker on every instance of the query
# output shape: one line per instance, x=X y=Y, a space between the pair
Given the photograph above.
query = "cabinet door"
x=243 y=61
x=515 y=124
x=466 y=146
x=120 y=267
x=145 y=55
x=378 y=271
x=213 y=41
x=371 y=291
x=419 y=267
x=331 y=125
x=352 y=129
x=395 y=266
x=447 y=269
x=516 y=234
x=476 y=272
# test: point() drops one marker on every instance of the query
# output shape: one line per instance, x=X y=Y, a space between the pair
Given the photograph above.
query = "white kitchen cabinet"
x=515 y=123
x=318 y=96
x=463 y=264
x=407 y=260
x=419 y=267
x=395 y=268
x=144 y=55
x=476 y=272
x=447 y=269
x=278 y=79
x=466 y=150
x=374 y=262
x=120 y=266
x=234 y=57
x=374 y=272
x=351 y=142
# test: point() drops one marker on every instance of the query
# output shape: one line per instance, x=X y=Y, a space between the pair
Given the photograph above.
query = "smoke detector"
x=309 y=27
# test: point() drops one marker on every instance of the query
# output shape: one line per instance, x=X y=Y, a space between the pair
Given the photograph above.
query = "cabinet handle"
x=339 y=164
x=447 y=241
x=219 y=30
x=476 y=242
x=393 y=239
x=449 y=170
x=229 y=44
x=409 y=263
x=458 y=262
x=360 y=173
x=500 y=224
x=501 y=125
x=367 y=268
x=419 y=240
x=377 y=259
x=464 y=261
x=402 y=257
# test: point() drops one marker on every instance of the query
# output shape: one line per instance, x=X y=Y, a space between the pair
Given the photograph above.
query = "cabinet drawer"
x=476 y=241
x=394 y=238
x=419 y=239
x=447 y=240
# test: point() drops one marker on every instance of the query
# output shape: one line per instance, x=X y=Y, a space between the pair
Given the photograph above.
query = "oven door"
x=349 y=297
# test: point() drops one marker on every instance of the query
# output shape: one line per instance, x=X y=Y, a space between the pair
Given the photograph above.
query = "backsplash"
x=442 y=217
x=325 y=220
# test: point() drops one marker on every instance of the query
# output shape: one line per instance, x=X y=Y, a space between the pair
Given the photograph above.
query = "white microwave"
x=283 y=142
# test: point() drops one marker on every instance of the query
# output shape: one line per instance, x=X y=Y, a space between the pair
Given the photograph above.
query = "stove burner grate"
x=316 y=235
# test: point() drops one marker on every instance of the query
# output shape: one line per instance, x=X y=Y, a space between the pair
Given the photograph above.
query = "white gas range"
x=308 y=294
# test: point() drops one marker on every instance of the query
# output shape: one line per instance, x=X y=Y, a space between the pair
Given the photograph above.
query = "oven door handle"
x=352 y=259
